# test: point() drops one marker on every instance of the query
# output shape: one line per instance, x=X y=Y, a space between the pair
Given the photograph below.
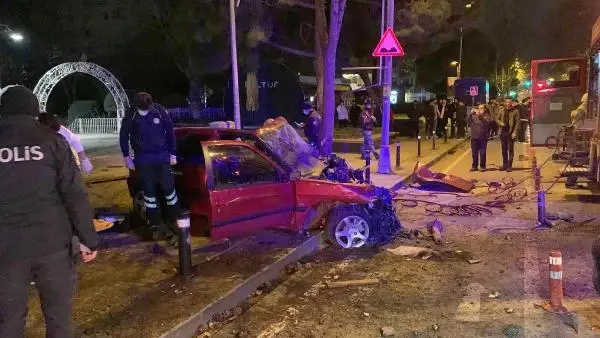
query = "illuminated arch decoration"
x=46 y=84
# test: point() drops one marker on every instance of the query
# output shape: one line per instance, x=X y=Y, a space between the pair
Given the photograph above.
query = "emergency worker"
x=149 y=130
x=312 y=124
x=43 y=204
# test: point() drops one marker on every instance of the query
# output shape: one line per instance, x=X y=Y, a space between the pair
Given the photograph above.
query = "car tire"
x=137 y=215
x=348 y=226
x=596 y=268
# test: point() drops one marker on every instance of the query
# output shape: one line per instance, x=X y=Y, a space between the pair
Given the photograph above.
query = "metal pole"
x=541 y=201
x=446 y=134
x=419 y=146
x=234 y=67
x=397 y=155
x=368 y=167
x=460 y=57
x=382 y=29
x=384 y=159
x=185 y=249
x=433 y=139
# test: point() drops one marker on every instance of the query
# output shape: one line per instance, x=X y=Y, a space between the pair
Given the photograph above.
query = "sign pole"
x=384 y=164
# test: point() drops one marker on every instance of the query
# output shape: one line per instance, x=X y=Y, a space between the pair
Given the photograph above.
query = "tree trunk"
x=335 y=25
x=320 y=48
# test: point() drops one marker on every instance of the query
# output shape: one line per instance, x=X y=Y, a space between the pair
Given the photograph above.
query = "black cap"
x=18 y=100
x=142 y=100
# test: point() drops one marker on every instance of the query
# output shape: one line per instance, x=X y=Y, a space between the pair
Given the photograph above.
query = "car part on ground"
x=426 y=177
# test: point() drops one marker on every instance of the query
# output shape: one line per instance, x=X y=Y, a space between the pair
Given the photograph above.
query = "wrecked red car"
x=236 y=183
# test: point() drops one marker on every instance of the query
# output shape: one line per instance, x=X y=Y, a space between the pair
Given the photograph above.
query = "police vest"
x=21 y=154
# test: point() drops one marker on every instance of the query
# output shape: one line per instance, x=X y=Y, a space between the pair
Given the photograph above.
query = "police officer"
x=43 y=204
x=149 y=130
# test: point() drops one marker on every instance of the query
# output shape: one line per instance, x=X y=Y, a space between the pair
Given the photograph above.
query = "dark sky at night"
x=539 y=28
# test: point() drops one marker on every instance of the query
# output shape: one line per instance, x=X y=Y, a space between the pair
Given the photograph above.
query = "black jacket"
x=43 y=201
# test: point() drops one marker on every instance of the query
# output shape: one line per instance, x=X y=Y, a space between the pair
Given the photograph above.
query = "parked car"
x=234 y=183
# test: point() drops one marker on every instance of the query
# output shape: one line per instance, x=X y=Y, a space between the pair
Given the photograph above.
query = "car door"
x=248 y=192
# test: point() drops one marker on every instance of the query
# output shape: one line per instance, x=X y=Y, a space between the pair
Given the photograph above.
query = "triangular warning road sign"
x=388 y=45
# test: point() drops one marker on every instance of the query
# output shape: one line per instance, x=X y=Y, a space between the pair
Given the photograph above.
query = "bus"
x=591 y=169
x=557 y=88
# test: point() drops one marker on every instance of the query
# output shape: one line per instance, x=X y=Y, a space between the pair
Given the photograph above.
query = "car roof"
x=211 y=133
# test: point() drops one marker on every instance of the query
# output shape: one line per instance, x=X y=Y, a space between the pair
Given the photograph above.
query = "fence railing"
x=95 y=125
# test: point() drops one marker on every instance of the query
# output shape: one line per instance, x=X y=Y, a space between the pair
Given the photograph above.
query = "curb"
x=189 y=327
x=438 y=158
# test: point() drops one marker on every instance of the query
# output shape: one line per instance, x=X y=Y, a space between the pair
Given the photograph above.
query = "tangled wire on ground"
x=509 y=193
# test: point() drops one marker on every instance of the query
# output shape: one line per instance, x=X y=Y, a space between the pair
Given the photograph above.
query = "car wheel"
x=348 y=226
x=596 y=272
x=138 y=211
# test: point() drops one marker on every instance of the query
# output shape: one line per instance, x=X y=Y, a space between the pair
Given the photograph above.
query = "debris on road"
x=388 y=331
x=359 y=282
x=410 y=251
x=366 y=314
x=474 y=261
x=435 y=327
x=494 y=295
x=509 y=310
x=426 y=177
x=436 y=229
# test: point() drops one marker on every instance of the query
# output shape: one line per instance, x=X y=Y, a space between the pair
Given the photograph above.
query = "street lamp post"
x=234 y=66
x=12 y=35
x=460 y=57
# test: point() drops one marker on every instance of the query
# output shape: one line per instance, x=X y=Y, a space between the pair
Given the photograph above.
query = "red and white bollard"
x=556 y=283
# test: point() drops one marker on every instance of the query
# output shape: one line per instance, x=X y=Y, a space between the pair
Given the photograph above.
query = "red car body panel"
x=250 y=208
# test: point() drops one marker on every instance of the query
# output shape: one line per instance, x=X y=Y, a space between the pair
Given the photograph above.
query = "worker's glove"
x=128 y=161
x=173 y=160
x=86 y=165
x=513 y=136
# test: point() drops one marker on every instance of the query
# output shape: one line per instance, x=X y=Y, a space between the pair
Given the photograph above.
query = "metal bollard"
x=537 y=178
x=419 y=146
x=433 y=139
x=446 y=134
x=397 y=155
x=556 y=283
x=368 y=167
x=185 y=249
x=541 y=206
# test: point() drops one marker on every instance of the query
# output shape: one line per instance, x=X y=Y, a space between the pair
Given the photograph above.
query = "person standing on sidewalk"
x=342 y=113
x=368 y=121
x=461 y=120
x=150 y=132
x=524 y=110
x=431 y=115
x=494 y=109
x=42 y=206
x=442 y=117
x=479 y=120
x=508 y=121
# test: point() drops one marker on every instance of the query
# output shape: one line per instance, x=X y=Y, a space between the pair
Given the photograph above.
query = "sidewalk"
x=408 y=159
